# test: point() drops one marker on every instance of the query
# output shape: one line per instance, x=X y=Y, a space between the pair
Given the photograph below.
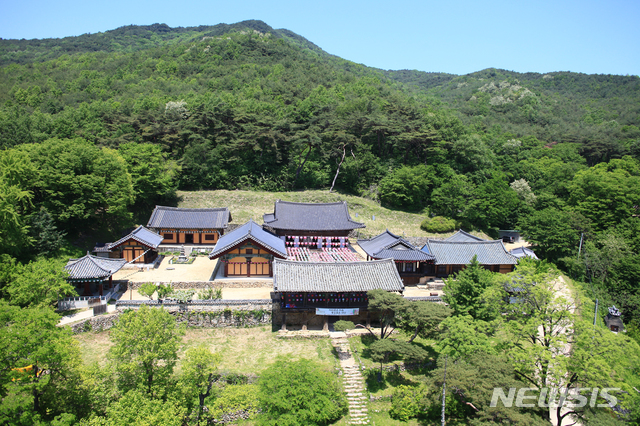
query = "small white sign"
x=338 y=312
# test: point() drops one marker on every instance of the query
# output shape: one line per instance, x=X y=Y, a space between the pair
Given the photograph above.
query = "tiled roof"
x=101 y=248
x=311 y=217
x=406 y=255
x=141 y=235
x=461 y=253
x=290 y=276
x=249 y=231
x=179 y=218
x=391 y=246
x=93 y=267
x=523 y=252
x=462 y=236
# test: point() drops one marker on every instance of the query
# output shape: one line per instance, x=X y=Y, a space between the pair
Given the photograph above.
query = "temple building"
x=452 y=256
x=521 y=252
x=139 y=246
x=89 y=271
x=311 y=224
x=248 y=251
x=313 y=293
x=462 y=236
x=412 y=263
x=189 y=226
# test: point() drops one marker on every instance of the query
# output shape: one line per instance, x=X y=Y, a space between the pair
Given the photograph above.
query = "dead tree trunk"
x=302 y=164
x=344 y=152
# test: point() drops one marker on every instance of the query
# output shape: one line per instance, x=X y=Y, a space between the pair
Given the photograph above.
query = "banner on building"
x=338 y=312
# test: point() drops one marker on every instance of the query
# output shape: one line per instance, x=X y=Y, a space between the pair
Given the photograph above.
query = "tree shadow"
x=391 y=379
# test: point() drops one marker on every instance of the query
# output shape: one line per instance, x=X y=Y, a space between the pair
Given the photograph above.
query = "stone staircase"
x=352 y=380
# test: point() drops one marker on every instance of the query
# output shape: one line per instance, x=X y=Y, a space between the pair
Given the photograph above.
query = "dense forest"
x=95 y=130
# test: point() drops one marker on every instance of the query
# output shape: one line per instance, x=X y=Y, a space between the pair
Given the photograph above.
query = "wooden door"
x=137 y=253
x=127 y=253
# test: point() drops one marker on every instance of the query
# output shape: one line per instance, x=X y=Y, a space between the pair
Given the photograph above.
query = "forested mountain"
x=95 y=130
x=598 y=112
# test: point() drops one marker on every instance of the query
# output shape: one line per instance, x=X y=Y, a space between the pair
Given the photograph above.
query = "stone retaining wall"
x=200 y=305
x=212 y=316
x=223 y=319
x=238 y=415
x=183 y=285
x=99 y=323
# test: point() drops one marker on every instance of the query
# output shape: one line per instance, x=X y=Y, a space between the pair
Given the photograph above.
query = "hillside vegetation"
x=245 y=205
x=96 y=130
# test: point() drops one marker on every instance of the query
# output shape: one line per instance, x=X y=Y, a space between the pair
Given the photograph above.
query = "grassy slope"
x=243 y=350
x=245 y=205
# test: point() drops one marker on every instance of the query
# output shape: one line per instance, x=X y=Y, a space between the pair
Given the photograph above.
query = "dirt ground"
x=511 y=246
x=421 y=291
x=200 y=270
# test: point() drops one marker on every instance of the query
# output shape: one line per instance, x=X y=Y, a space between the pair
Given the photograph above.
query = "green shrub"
x=406 y=402
x=164 y=290
x=235 y=398
x=182 y=296
x=293 y=393
x=209 y=293
x=438 y=224
x=343 y=325
x=147 y=290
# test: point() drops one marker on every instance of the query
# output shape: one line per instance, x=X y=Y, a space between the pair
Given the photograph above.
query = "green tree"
x=383 y=350
x=462 y=336
x=495 y=204
x=470 y=385
x=453 y=197
x=388 y=304
x=153 y=175
x=39 y=368
x=16 y=174
x=81 y=184
x=422 y=319
x=46 y=238
x=136 y=408
x=299 y=392
x=145 y=349
x=147 y=290
x=468 y=292
x=406 y=402
x=552 y=232
x=471 y=154
x=198 y=369
x=39 y=283
x=607 y=193
x=407 y=187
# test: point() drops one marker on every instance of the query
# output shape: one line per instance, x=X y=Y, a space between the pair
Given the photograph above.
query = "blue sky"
x=455 y=36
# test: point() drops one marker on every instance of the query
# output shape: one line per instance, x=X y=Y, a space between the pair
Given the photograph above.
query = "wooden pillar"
x=304 y=321
x=248 y=268
x=325 y=327
x=226 y=269
x=284 y=322
x=368 y=319
x=111 y=281
x=100 y=287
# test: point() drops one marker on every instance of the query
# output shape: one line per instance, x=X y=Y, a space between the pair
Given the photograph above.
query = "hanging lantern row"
x=306 y=241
